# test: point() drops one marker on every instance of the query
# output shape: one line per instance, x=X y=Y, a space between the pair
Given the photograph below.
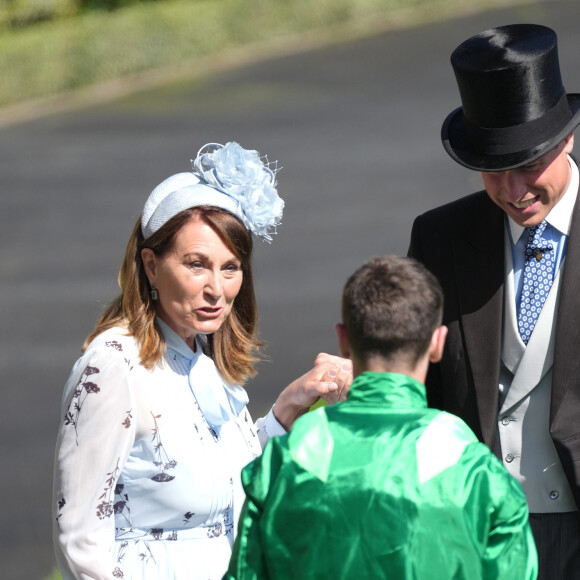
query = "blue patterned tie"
x=538 y=277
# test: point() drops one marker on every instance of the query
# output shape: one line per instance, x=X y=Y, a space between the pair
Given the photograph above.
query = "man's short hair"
x=390 y=307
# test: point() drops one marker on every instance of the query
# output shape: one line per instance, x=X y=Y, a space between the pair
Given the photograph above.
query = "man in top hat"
x=508 y=259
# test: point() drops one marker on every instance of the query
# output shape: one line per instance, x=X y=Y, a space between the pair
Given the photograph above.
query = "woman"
x=155 y=427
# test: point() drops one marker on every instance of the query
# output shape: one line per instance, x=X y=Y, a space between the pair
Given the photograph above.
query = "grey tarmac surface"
x=355 y=127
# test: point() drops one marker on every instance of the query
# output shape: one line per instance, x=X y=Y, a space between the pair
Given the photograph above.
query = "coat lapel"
x=567 y=343
x=512 y=347
x=479 y=267
x=537 y=357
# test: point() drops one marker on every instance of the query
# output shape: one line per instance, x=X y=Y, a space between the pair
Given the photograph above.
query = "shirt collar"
x=387 y=389
x=215 y=403
x=560 y=216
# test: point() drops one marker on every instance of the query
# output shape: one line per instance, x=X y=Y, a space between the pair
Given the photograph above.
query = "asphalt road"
x=355 y=127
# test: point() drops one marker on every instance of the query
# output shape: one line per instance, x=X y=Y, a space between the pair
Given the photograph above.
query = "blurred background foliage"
x=22 y=13
x=51 y=47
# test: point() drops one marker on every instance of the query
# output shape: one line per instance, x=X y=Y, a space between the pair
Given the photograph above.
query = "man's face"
x=527 y=194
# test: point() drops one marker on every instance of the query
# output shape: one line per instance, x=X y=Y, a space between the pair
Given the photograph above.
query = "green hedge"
x=51 y=57
x=21 y=13
x=24 y=13
x=80 y=47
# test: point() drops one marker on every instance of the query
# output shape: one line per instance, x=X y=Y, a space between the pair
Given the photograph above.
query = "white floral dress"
x=145 y=486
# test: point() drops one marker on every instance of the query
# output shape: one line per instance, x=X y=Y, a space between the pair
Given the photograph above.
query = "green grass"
x=52 y=58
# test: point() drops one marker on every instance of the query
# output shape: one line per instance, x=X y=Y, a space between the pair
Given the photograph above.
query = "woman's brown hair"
x=235 y=345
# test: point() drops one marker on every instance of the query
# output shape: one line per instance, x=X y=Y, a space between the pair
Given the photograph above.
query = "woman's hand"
x=330 y=379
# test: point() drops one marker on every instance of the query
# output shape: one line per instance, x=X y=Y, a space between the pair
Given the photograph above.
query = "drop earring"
x=154 y=294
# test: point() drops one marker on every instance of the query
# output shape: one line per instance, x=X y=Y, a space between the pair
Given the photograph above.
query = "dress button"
x=554 y=495
x=509 y=458
x=505 y=421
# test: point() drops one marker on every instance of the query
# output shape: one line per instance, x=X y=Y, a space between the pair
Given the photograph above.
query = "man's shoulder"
x=462 y=208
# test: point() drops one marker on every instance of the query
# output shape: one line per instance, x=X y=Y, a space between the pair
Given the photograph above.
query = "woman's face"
x=197 y=280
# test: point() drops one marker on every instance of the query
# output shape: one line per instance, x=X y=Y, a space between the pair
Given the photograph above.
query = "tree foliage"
x=24 y=13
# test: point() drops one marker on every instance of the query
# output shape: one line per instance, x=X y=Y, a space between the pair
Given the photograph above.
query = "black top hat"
x=515 y=108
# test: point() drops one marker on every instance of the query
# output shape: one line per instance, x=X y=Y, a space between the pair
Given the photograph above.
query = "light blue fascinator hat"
x=226 y=176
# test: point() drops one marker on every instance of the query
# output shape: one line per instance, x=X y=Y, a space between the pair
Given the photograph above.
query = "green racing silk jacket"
x=380 y=486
